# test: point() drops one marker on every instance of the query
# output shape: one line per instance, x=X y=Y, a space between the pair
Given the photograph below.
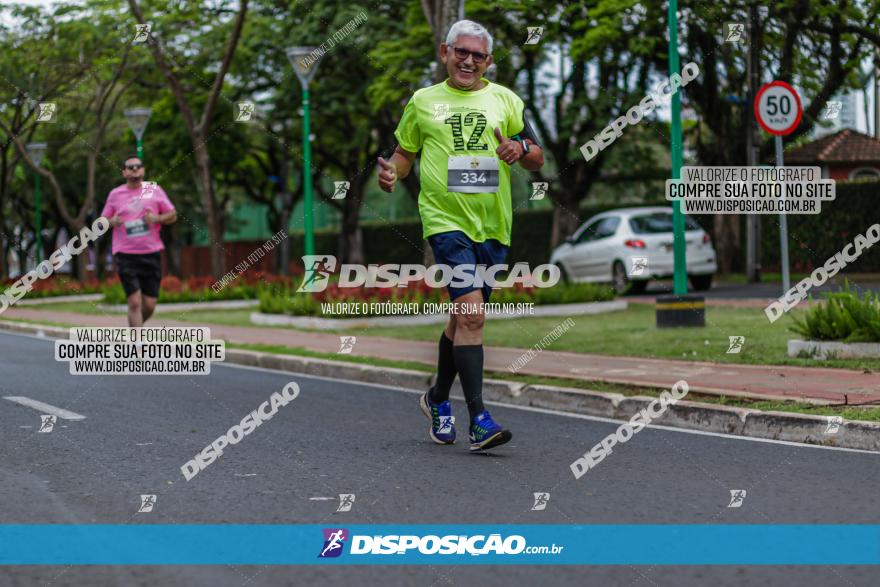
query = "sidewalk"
x=820 y=385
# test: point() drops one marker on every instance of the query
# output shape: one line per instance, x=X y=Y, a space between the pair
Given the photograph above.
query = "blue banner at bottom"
x=159 y=544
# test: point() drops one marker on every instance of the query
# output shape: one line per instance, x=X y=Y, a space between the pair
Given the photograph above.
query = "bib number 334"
x=472 y=175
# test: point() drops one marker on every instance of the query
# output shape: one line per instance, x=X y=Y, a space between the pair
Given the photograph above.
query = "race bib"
x=136 y=228
x=472 y=175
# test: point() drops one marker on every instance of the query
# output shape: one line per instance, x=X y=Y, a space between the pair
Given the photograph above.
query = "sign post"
x=778 y=110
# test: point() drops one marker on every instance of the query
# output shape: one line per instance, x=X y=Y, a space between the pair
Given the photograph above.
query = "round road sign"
x=778 y=108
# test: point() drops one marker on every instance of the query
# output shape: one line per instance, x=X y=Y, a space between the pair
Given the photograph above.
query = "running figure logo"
x=147 y=503
x=832 y=110
x=47 y=423
x=834 y=423
x=334 y=541
x=736 y=498
x=440 y=111
x=142 y=32
x=541 y=500
x=734 y=32
x=46 y=112
x=147 y=190
x=639 y=264
x=318 y=270
x=346 y=500
x=539 y=190
x=341 y=190
x=736 y=344
x=346 y=345
x=245 y=111
x=535 y=33
x=446 y=423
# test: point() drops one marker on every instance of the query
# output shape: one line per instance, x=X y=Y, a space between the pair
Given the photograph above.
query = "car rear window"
x=658 y=222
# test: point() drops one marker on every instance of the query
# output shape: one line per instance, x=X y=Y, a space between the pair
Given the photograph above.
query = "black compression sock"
x=446 y=371
x=469 y=361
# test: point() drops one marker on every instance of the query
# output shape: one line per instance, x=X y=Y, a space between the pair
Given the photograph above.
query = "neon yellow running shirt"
x=443 y=123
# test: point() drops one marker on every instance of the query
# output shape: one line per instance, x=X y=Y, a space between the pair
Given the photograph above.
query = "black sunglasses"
x=134 y=167
x=463 y=54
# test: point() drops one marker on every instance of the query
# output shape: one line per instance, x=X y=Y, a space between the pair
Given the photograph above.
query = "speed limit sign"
x=778 y=108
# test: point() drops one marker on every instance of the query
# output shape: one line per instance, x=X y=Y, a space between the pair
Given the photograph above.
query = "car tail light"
x=706 y=239
x=635 y=244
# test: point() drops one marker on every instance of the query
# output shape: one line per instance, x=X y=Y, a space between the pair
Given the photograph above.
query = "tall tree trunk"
x=565 y=222
x=4 y=246
x=351 y=245
x=209 y=204
x=286 y=212
x=727 y=242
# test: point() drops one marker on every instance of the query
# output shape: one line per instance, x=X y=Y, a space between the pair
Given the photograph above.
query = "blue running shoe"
x=442 y=430
x=485 y=433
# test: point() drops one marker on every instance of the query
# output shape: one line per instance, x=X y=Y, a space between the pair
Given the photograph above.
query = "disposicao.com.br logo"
x=319 y=268
x=451 y=544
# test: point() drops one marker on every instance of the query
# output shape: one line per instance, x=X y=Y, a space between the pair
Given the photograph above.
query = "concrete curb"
x=187 y=306
x=822 y=350
x=690 y=415
x=58 y=299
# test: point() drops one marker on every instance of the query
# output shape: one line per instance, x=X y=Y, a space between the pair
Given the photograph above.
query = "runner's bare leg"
x=468 y=327
x=135 y=311
x=148 y=307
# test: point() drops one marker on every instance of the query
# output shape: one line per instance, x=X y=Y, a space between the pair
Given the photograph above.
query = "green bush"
x=843 y=317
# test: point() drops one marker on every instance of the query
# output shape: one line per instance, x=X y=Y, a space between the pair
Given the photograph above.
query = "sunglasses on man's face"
x=134 y=167
x=462 y=55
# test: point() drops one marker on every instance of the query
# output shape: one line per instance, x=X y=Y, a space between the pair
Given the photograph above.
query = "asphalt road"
x=339 y=437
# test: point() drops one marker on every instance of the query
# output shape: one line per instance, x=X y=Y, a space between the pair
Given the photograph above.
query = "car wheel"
x=638 y=287
x=701 y=282
x=620 y=282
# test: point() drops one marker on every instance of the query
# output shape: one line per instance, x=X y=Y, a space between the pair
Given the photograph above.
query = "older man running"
x=469 y=131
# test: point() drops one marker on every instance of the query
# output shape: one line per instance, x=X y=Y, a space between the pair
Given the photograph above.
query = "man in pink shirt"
x=136 y=212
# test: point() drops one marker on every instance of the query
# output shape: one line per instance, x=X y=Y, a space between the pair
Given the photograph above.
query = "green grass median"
x=628 y=333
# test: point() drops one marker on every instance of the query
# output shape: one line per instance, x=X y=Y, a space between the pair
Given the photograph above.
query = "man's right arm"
x=396 y=167
x=109 y=212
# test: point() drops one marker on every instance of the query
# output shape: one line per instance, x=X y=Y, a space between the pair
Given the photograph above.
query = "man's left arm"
x=169 y=217
x=167 y=214
x=533 y=159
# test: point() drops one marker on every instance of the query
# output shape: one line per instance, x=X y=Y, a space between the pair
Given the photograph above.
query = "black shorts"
x=139 y=272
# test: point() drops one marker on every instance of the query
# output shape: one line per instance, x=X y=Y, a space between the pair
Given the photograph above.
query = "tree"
x=84 y=110
x=191 y=32
x=816 y=46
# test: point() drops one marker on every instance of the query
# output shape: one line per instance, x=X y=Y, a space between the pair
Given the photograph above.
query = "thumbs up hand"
x=387 y=175
x=508 y=150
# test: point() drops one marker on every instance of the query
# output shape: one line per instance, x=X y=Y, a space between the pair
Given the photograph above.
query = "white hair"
x=468 y=28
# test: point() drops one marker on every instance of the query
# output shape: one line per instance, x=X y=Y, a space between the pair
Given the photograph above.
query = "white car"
x=628 y=247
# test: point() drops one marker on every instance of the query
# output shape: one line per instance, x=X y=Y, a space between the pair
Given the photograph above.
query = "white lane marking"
x=45 y=408
x=565 y=414
x=143 y=443
x=245 y=474
x=539 y=410
x=322 y=498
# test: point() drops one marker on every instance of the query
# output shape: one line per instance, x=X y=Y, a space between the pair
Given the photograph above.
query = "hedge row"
x=812 y=238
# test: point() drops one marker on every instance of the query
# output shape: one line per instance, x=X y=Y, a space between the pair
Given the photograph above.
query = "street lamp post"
x=137 y=119
x=678 y=240
x=36 y=151
x=305 y=63
x=678 y=309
